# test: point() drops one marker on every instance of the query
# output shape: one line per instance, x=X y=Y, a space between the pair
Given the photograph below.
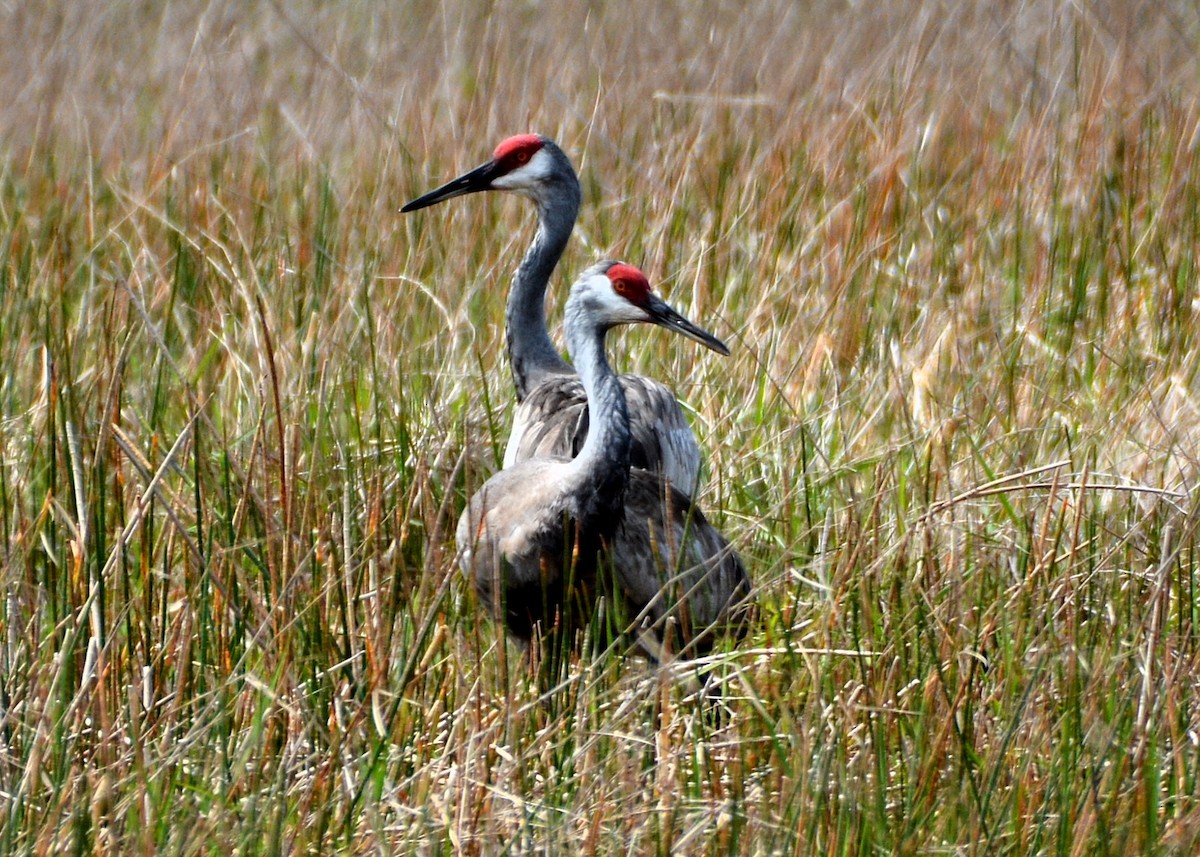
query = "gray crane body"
x=544 y=540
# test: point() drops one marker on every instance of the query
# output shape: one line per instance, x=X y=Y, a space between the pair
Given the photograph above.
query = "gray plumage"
x=544 y=539
x=551 y=416
x=553 y=421
x=666 y=560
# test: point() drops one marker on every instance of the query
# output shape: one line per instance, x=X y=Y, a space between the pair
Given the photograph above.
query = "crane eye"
x=522 y=157
x=621 y=287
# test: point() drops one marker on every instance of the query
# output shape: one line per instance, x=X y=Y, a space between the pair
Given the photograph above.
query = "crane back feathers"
x=552 y=422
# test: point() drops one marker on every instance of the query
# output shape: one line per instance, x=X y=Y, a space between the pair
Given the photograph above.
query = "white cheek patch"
x=616 y=307
x=528 y=176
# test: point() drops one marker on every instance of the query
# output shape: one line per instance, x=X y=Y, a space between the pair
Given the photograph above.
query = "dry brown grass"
x=954 y=246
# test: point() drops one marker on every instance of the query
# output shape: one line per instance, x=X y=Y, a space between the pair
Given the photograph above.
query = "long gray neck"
x=532 y=355
x=603 y=463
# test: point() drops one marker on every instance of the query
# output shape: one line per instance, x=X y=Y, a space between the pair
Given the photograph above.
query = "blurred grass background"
x=953 y=246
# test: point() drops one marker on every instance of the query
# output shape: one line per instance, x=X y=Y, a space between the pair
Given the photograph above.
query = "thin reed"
x=953 y=247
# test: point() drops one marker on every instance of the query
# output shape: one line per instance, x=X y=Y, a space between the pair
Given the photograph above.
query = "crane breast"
x=509 y=522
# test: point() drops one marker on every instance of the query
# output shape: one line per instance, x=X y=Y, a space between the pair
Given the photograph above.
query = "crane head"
x=524 y=163
x=614 y=293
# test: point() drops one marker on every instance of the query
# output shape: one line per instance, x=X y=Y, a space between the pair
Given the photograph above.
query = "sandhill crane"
x=551 y=417
x=546 y=537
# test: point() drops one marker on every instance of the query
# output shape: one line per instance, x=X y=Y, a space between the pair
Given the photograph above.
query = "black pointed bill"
x=477 y=180
x=662 y=314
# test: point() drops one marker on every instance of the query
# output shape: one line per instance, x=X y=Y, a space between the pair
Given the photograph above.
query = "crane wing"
x=670 y=562
x=552 y=421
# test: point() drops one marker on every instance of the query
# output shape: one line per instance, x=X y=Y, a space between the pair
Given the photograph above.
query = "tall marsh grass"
x=954 y=248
